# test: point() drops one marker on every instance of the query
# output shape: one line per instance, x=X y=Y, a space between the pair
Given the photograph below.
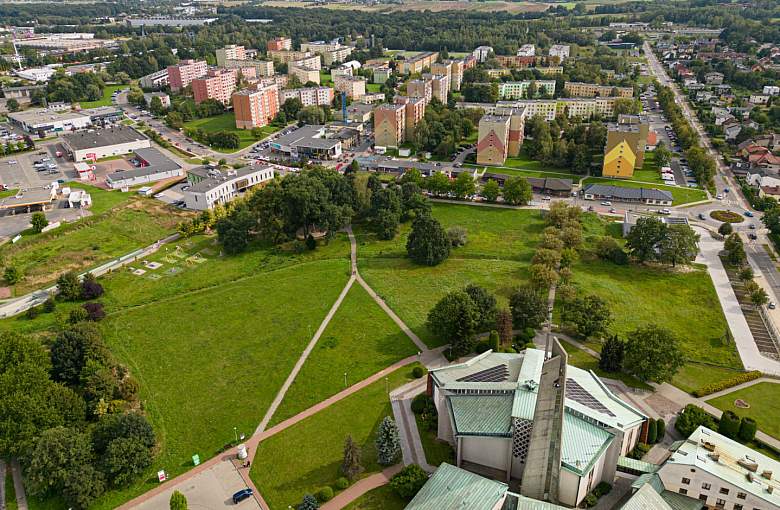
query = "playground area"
x=173 y=259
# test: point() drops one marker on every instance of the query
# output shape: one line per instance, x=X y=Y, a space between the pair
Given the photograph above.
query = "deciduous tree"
x=653 y=353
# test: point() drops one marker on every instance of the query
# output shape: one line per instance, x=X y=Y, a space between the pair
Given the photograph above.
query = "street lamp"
x=345 y=379
x=235 y=433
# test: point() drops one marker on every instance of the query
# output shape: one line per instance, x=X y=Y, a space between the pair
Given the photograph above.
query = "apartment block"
x=279 y=44
x=419 y=62
x=331 y=52
x=304 y=74
x=353 y=86
x=310 y=96
x=440 y=86
x=516 y=61
x=561 y=51
x=232 y=52
x=261 y=67
x=500 y=135
x=381 y=74
x=420 y=88
x=255 y=108
x=456 y=77
x=526 y=50
x=443 y=68
x=519 y=89
x=481 y=53
x=341 y=71
x=182 y=74
x=550 y=108
x=414 y=112
x=218 y=84
x=625 y=148
x=389 y=125
x=578 y=89
x=287 y=56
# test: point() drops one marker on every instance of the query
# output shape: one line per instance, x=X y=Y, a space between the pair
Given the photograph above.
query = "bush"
x=422 y=403
x=407 y=482
x=418 y=372
x=69 y=286
x=690 y=418
x=78 y=315
x=90 y=289
x=341 y=484
x=727 y=216
x=458 y=236
x=725 y=229
x=660 y=430
x=651 y=431
x=12 y=275
x=729 y=424
x=747 y=429
x=590 y=501
x=727 y=383
x=32 y=312
x=49 y=305
x=602 y=489
x=482 y=346
x=324 y=494
x=639 y=451
x=94 y=311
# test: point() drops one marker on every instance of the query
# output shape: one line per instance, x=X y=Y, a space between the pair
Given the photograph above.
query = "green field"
x=119 y=224
x=227 y=122
x=680 y=195
x=372 y=88
x=693 y=376
x=360 y=340
x=650 y=171
x=106 y=99
x=306 y=456
x=501 y=244
x=762 y=398
x=381 y=498
x=436 y=451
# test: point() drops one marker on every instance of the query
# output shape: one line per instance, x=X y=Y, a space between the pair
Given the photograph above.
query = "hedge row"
x=728 y=383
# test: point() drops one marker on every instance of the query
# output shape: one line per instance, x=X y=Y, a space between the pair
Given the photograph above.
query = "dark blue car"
x=241 y=495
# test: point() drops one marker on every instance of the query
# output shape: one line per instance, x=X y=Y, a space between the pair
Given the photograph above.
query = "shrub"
x=602 y=489
x=727 y=216
x=309 y=503
x=747 y=429
x=418 y=372
x=690 y=418
x=482 y=346
x=311 y=243
x=639 y=451
x=660 y=430
x=341 y=484
x=69 y=286
x=90 y=289
x=590 y=501
x=78 y=315
x=729 y=424
x=727 y=383
x=324 y=494
x=725 y=229
x=12 y=275
x=32 y=312
x=49 y=305
x=94 y=311
x=407 y=482
x=651 y=431
x=422 y=403
x=458 y=236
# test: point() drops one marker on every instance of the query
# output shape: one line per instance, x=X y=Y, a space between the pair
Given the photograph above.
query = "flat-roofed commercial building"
x=218 y=84
x=231 y=52
x=310 y=141
x=309 y=96
x=255 y=107
x=353 y=86
x=419 y=62
x=101 y=143
x=47 y=121
x=154 y=166
x=389 y=125
x=279 y=44
x=182 y=74
x=210 y=186
x=578 y=89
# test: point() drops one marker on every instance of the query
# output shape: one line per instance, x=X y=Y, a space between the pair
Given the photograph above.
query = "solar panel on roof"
x=498 y=373
x=578 y=394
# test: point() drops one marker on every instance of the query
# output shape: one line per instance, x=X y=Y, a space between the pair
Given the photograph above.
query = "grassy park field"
x=106 y=99
x=306 y=456
x=227 y=122
x=381 y=498
x=762 y=399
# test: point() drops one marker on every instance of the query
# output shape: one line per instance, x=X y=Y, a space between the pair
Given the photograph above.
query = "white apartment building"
x=526 y=50
x=230 y=52
x=562 y=51
x=209 y=186
x=771 y=90
x=481 y=53
x=156 y=80
x=353 y=86
x=310 y=96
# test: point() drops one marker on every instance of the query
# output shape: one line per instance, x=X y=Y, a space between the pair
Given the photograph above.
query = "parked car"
x=241 y=495
x=665 y=211
x=752 y=236
x=752 y=226
x=748 y=214
x=606 y=203
x=702 y=217
x=772 y=305
x=719 y=196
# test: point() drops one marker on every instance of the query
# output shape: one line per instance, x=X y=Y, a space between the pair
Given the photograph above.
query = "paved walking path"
x=366 y=484
x=740 y=331
x=2 y=484
x=21 y=497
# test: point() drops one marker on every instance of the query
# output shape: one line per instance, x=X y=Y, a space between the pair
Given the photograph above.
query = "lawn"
x=693 y=376
x=121 y=224
x=227 y=122
x=436 y=451
x=650 y=171
x=372 y=88
x=583 y=360
x=381 y=498
x=218 y=358
x=680 y=195
x=307 y=456
x=106 y=99
x=360 y=340
x=762 y=398
x=500 y=246
x=325 y=77
x=10 y=490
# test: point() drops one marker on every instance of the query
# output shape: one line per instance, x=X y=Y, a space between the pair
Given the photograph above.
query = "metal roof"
x=646 y=498
x=451 y=488
x=619 y=192
x=583 y=443
x=115 y=135
x=679 y=502
x=637 y=465
x=649 y=478
x=481 y=415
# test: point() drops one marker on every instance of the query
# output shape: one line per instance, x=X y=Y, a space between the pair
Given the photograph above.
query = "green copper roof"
x=517 y=502
x=646 y=498
x=483 y=415
x=680 y=502
x=649 y=478
x=582 y=444
x=636 y=465
x=451 y=488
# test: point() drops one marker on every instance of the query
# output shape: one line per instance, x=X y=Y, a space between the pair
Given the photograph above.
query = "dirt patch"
x=5 y=292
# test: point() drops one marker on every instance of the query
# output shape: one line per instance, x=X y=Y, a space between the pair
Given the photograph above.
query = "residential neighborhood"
x=389 y=255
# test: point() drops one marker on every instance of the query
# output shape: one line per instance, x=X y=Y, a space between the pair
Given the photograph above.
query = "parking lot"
x=19 y=171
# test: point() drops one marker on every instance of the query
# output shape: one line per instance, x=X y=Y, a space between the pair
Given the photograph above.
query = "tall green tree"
x=454 y=319
x=653 y=353
x=589 y=314
x=529 y=308
x=612 y=354
x=680 y=245
x=517 y=191
x=387 y=442
x=351 y=466
x=39 y=222
x=464 y=185
x=490 y=190
x=428 y=243
x=643 y=239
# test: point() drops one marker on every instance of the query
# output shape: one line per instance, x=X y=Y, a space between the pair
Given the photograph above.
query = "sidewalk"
x=360 y=488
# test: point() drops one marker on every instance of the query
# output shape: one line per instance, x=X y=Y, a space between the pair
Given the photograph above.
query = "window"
x=724 y=490
x=706 y=486
x=683 y=491
x=686 y=481
x=720 y=503
x=737 y=506
x=703 y=497
x=741 y=495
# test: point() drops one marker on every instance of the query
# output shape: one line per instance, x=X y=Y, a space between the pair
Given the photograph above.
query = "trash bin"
x=242 y=451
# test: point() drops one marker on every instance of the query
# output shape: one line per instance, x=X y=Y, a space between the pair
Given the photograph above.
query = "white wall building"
x=209 y=186
x=48 y=121
x=562 y=51
x=97 y=144
x=526 y=50
x=481 y=53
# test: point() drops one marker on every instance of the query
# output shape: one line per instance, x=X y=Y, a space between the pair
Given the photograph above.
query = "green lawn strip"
x=680 y=195
x=373 y=88
x=650 y=171
x=360 y=340
x=10 y=490
x=381 y=498
x=436 y=451
x=525 y=173
x=106 y=99
x=8 y=193
x=88 y=242
x=307 y=456
x=217 y=359
x=683 y=301
x=583 y=360
x=762 y=398
x=227 y=122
